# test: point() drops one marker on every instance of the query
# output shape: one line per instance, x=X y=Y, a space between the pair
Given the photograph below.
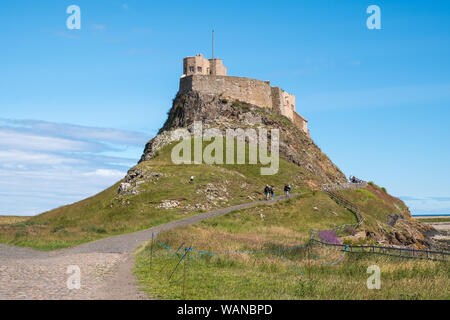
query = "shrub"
x=245 y=107
x=350 y=230
x=20 y=225
x=329 y=236
x=20 y=234
x=94 y=229
x=384 y=189
x=57 y=228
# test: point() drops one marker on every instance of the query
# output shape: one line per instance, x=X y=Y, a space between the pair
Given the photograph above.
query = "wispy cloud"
x=28 y=141
x=105 y=173
x=20 y=159
x=76 y=132
x=427 y=205
x=44 y=165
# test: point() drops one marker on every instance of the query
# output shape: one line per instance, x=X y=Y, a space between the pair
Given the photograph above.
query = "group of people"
x=354 y=179
x=269 y=191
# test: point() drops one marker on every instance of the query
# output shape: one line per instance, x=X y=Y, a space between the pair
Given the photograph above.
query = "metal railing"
x=390 y=251
x=330 y=190
x=348 y=205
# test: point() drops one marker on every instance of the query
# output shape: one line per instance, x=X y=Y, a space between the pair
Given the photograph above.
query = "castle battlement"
x=197 y=76
x=198 y=65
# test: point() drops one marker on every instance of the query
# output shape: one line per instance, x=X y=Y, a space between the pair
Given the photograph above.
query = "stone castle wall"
x=232 y=88
x=247 y=90
x=283 y=102
x=300 y=122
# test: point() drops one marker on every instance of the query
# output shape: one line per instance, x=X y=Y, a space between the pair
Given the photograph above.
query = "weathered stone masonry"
x=232 y=88
x=251 y=91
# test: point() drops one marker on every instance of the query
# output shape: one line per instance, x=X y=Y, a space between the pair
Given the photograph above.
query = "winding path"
x=106 y=265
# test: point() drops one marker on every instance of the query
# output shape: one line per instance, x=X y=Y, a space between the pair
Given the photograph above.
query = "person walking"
x=272 y=191
x=267 y=191
x=287 y=190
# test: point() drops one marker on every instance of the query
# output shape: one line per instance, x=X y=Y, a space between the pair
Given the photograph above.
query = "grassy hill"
x=156 y=191
x=5 y=220
x=237 y=256
x=164 y=195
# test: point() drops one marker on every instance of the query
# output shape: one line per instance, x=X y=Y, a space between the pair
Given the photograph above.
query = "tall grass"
x=266 y=276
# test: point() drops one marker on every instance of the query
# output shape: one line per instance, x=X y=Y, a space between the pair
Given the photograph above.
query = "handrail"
x=440 y=255
x=416 y=253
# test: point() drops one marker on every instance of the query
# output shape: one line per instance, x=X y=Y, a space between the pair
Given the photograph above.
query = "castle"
x=210 y=77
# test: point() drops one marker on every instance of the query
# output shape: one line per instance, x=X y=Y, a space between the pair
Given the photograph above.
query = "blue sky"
x=77 y=106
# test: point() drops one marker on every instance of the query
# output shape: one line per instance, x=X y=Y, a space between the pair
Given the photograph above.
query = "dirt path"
x=105 y=265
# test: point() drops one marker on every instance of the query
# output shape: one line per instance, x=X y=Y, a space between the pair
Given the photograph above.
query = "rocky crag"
x=215 y=112
x=396 y=228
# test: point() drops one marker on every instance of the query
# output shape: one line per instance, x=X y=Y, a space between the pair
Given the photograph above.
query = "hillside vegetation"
x=242 y=256
x=6 y=220
x=161 y=193
x=156 y=191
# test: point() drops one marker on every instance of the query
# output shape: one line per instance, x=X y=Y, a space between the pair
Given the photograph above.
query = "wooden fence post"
x=151 y=252
x=184 y=277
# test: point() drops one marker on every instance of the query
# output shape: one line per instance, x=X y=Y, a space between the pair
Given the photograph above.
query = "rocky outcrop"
x=135 y=177
x=217 y=112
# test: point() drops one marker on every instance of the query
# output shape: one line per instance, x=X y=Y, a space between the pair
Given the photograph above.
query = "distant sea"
x=431 y=215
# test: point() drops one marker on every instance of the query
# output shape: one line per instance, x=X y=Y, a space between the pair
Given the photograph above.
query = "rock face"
x=134 y=178
x=215 y=112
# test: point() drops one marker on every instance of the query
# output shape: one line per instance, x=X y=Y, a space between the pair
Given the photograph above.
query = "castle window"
x=199 y=69
x=191 y=69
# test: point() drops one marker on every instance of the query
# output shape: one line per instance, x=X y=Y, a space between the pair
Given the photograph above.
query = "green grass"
x=7 y=220
x=266 y=276
x=107 y=214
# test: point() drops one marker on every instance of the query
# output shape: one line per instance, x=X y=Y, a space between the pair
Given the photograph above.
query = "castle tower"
x=199 y=65
x=217 y=68
x=210 y=77
x=196 y=65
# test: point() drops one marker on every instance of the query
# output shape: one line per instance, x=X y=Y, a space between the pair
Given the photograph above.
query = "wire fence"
x=183 y=254
x=389 y=251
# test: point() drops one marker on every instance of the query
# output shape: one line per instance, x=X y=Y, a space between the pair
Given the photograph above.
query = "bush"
x=57 y=228
x=384 y=189
x=19 y=225
x=329 y=236
x=94 y=229
x=350 y=230
x=244 y=106
x=20 y=234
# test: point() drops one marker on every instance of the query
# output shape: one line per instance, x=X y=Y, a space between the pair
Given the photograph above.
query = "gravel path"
x=105 y=265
